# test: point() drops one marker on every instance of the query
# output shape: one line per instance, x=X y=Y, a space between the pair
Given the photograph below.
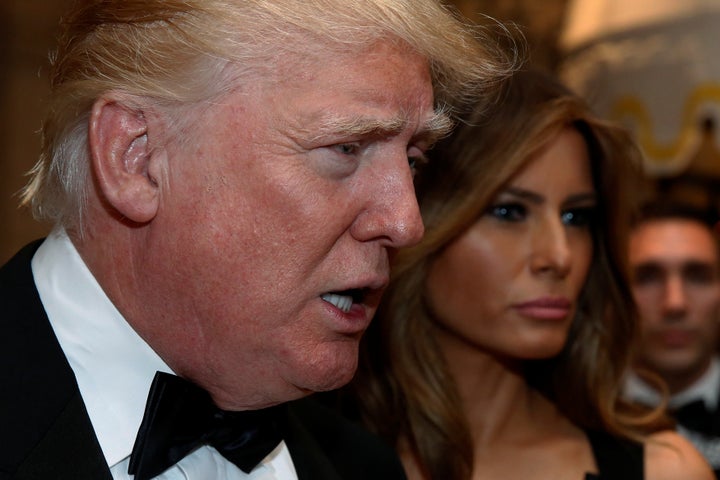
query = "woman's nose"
x=551 y=249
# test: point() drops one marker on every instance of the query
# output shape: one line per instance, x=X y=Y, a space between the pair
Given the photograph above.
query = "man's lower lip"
x=675 y=339
x=544 y=313
x=354 y=321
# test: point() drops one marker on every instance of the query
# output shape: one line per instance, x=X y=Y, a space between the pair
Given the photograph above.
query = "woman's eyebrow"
x=589 y=197
x=536 y=198
x=523 y=194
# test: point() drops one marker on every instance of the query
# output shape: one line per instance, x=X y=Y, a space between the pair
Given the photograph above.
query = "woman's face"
x=510 y=284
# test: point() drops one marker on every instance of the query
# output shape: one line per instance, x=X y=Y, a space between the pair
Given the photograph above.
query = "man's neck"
x=678 y=382
x=704 y=386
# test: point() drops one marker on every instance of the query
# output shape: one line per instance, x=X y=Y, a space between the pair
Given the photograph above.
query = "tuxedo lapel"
x=324 y=445
x=44 y=414
x=309 y=460
x=69 y=450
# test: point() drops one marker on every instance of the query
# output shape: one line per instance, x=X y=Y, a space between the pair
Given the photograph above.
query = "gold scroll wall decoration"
x=631 y=108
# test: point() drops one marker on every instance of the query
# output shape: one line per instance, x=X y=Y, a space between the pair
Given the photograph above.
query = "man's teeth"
x=343 y=302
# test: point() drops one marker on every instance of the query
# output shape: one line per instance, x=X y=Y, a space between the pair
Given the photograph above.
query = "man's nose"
x=675 y=298
x=392 y=214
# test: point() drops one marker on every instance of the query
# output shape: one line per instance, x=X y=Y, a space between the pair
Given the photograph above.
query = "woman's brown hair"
x=404 y=390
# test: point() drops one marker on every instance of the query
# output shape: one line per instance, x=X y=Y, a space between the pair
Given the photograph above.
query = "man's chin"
x=329 y=374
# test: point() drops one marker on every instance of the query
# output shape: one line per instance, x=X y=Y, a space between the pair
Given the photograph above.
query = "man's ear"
x=122 y=160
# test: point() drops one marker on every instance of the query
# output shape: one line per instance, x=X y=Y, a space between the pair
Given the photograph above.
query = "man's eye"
x=508 y=212
x=348 y=148
x=700 y=274
x=416 y=158
x=416 y=162
x=645 y=275
x=413 y=162
x=579 y=217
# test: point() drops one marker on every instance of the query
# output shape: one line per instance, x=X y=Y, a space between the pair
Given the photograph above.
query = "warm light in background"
x=588 y=20
x=651 y=64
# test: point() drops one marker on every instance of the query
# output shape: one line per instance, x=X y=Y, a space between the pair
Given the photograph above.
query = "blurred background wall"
x=646 y=63
x=27 y=29
x=652 y=65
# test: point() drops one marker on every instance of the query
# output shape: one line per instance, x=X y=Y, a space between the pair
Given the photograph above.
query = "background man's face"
x=676 y=286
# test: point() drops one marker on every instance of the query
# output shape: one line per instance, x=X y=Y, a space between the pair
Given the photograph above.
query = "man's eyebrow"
x=435 y=127
x=648 y=264
x=698 y=263
x=645 y=268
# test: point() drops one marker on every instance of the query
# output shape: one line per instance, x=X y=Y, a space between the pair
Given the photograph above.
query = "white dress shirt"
x=114 y=368
x=706 y=388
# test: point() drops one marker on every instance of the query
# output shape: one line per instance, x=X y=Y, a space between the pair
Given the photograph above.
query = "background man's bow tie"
x=696 y=416
x=180 y=417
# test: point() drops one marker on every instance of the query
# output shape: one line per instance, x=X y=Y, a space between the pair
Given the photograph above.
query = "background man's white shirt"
x=706 y=388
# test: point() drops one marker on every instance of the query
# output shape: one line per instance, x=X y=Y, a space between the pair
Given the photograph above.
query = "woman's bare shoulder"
x=669 y=456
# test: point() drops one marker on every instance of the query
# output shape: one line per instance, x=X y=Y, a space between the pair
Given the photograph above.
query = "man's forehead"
x=670 y=263
x=672 y=233
x=673 y=242
x=664 y=256
x=356 y=69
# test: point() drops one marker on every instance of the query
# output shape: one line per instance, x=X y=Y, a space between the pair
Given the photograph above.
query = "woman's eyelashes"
x=508 y=212
x=579 y=216
x=516 y=212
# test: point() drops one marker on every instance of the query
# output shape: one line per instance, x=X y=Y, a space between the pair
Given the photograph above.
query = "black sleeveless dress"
x=616 y=458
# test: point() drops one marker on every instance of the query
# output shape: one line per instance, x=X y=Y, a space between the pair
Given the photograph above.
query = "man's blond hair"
x=175 y=53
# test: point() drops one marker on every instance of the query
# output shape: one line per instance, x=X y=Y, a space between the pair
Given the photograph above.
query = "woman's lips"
x=549 y=308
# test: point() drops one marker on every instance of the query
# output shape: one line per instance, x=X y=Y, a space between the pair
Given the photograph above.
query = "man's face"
x=677 y=289
x=281 y=213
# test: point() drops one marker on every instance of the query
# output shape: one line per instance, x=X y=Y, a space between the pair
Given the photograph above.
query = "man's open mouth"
x=345 y=299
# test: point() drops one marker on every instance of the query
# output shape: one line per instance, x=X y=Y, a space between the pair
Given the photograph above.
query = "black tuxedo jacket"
x=46 y=434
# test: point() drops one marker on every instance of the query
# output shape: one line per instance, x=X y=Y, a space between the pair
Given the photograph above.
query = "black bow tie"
x=180 y=417
x=696 y=416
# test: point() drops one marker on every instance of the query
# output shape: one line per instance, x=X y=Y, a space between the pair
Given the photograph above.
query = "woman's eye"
x=510 y=212
x=578 y=217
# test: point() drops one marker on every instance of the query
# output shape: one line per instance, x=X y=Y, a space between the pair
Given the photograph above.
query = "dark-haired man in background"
x=675 y=264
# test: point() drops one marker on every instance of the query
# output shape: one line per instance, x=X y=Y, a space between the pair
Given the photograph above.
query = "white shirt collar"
x=706 y=388
x=113 y=366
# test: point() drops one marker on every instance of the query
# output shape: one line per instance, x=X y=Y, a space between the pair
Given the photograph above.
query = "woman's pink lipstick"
x=546 y=308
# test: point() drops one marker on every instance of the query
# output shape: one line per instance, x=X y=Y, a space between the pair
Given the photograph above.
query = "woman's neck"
x=496 y=399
